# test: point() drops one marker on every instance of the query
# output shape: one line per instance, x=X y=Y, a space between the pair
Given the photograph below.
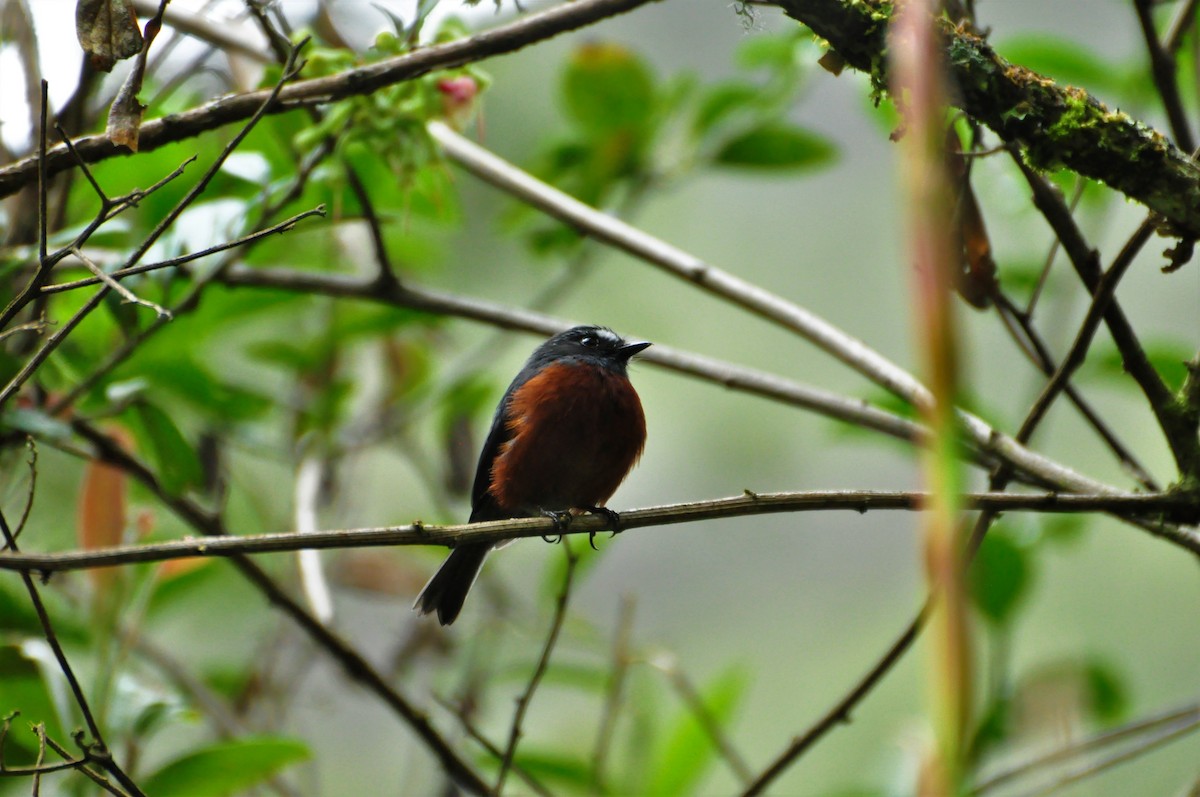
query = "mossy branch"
x=1055 y=125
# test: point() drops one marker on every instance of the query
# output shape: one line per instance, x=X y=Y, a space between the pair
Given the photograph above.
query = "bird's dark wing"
x=483 y=505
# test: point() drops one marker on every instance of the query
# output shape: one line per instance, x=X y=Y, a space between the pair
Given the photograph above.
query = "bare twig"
x=493 y=750
x=704 y=717
x=1188 y=716
x=1101 y=302
x=284 y=226
x=1140 y=504
x=1041 y=357
x=543 y=662
x=613 y=695
x=1086 y=262
x=840 y=713
x=88 y=771
x=201 y=28
x=1162 y=67
x=29 y=495
x=121 y=290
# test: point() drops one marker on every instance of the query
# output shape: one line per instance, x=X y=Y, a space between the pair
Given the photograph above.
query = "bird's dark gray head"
x=589 y=344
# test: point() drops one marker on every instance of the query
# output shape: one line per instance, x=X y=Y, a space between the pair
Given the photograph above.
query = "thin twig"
x=704 y=717
x=840 y=713
x=613 y=694
x=1103 y=765
x=492 y=749
x=121 y=290
x=31 y=444
x=1179 y=26
x=1162 y=68
x=1055 y=244
x=1101 y=301
x=1086 y=262
x=1189 y=715
x=87 y=771
x=1040 y=355
x=284 y=226
x=543 y=663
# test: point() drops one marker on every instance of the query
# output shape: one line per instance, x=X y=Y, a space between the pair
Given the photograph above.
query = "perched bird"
x=568 y=429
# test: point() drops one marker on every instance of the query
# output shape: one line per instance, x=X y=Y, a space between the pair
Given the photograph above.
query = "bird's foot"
x=610 y=516
x=561 y=518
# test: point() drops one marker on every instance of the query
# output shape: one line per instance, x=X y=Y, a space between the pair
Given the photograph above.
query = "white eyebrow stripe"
x=608 y=334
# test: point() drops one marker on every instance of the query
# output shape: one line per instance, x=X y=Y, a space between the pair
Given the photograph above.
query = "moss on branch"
x=1055 y=125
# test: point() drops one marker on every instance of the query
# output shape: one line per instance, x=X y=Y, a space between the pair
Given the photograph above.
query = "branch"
x=1162 y=67
x=1181 y=719
x=165 y=223
x=1055 y=125
x=284 y=226
x=353 y=82
x=1180 y=434
x=840 y=712
x=861 y=501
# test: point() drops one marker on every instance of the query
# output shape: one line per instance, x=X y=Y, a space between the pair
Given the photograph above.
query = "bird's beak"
x=629 y=349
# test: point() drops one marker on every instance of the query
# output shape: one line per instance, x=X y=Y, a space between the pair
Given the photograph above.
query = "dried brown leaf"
x=108 y=31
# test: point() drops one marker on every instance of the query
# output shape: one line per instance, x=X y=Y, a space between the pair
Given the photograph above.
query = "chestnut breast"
x=576 y=430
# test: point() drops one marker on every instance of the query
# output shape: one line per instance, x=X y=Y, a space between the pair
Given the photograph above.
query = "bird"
x=565 y=434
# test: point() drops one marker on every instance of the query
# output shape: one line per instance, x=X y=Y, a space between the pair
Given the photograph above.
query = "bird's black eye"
x=590 y=341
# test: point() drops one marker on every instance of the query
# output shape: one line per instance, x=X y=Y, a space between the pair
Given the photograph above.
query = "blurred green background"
x=775 y=616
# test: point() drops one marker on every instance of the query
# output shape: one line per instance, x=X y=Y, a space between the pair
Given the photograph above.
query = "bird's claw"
x=561 y=518
x=610 y=516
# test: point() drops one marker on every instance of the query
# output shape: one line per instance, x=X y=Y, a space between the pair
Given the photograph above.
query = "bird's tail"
x=449 y=586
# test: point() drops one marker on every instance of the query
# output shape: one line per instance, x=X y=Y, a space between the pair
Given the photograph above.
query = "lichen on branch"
x=1055 y=125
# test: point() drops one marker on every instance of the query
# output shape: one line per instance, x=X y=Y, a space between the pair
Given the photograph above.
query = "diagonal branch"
x=1162 y=67
x=731 y=288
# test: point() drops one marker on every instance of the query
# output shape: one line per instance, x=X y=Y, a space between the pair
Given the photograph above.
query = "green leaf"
x=226 y=767
x=185 y=377
x=777 y=146
x=994 y=727
x=722 y=101
x=36 y=423
x=999 y=577
x=772 y=50
x=607 y=88
x=1167 y=356
x=1063 y=529
x=178 y=466
x=689 y=750
x=566 y=770
x=1107 y=694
